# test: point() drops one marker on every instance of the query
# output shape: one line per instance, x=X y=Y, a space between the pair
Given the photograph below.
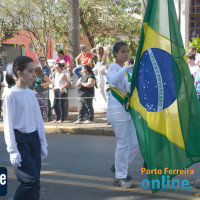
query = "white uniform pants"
x=127 y=143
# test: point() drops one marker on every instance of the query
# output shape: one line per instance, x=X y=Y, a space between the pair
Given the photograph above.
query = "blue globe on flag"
x=155 y=80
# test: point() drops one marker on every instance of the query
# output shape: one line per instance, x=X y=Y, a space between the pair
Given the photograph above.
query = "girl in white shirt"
x=122 y=123
x=24 y=130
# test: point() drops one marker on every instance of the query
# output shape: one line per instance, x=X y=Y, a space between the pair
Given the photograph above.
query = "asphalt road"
x=77 y=168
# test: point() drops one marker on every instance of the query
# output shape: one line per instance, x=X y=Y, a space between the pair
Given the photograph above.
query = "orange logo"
x=197 y=194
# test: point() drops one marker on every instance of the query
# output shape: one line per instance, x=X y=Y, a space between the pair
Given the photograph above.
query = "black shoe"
x=112 y=169
x=125 y=183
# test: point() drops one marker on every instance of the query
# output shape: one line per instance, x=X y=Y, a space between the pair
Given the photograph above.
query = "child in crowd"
x=24 y=130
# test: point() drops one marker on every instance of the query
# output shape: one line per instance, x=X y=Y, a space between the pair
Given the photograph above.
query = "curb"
x=75 y=130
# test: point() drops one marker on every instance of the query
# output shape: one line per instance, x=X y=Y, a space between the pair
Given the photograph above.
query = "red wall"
x=24 y=40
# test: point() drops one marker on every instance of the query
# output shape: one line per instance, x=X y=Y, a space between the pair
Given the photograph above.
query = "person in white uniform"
x=24 y=130
x=122 y=123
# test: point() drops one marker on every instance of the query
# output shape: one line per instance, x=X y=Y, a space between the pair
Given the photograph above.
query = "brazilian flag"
x=164 y=103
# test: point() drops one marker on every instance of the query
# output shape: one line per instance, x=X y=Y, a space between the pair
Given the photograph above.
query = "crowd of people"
x=61 y=76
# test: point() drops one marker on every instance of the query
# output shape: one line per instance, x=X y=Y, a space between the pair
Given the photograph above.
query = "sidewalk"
x=98 y=127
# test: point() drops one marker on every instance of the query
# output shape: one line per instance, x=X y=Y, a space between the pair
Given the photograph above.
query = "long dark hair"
x=101 y=52
x=20 y=63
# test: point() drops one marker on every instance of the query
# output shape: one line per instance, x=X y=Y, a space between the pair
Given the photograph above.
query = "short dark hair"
x=82 y=47
x=59 y=65
x=116 y=47
x=191 y=56
x=60 y=51
x=88 y=68
x=20 y=63
x=42 y=57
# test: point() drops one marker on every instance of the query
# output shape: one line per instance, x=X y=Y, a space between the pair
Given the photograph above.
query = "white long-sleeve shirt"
x=116 y=77
x=21 y=111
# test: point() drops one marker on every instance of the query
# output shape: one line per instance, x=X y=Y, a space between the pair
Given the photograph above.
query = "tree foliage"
x=40 y=18
x=102 y=21
x=7 y=29
x=108 y=21
x=196 y=42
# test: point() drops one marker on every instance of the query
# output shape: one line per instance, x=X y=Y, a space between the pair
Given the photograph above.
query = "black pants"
x=29 y=172
x=85 y=104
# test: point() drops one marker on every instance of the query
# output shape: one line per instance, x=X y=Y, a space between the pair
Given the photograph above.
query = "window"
x=31 y=47
x=194 y=20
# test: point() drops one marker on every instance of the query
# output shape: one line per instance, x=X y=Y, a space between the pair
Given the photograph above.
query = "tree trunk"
x=85 y=28
x=73 y=29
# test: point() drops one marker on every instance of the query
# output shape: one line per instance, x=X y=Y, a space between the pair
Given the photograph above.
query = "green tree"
x=107 y=21
x=7 y=29
x=40 y=18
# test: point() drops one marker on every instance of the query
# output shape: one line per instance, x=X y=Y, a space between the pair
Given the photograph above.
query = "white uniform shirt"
x=21 y=111
x=116 y=77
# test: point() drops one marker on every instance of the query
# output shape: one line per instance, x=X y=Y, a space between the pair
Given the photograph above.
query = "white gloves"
x=44 y=152
x=129 y=68
x=15 y=159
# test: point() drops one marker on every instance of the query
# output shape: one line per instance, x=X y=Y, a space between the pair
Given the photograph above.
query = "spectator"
x=101 y=63
x=46 y=71
x=66 y=106
x=40 y=87
x=85 y=86
x=192 y=65
x=45 y=68
x=86 y=59
x=193 y=50
x=66 y=58
x=60 y=84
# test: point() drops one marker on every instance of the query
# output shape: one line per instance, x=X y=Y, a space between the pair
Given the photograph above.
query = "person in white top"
x=122 y=123
x=192 y=65
x=24 y=130
x=60 y=83
x=193 y=50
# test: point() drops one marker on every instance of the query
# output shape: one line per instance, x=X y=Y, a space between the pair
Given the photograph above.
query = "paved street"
x=77 y=168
